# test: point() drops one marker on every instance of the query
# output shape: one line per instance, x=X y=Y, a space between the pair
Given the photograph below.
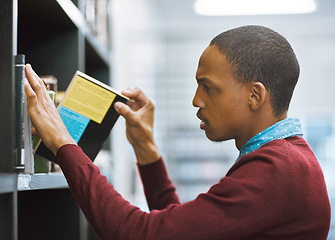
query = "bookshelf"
x=56 y=39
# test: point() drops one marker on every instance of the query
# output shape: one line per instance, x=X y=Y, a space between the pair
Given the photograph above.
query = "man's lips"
x=203 y=120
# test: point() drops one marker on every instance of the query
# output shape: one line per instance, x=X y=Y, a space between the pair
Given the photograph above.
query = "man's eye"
x=207 y=88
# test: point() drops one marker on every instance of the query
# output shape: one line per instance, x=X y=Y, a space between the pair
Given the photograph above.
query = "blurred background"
x=156 y=45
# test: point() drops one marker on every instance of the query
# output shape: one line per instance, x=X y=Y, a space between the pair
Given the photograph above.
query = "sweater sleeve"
x=249 y=201
x=158 y=188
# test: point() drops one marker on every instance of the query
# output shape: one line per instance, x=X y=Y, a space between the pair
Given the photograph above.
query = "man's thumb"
x=122 y=109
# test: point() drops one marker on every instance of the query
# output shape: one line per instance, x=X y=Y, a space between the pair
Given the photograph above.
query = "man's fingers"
x=138 y=99
x=122 y=108
x=34 y=80
x=31 y=95
x=30 y=74
x=124 y=111
x=34 y=132
x=27 y=88
x=136 y=94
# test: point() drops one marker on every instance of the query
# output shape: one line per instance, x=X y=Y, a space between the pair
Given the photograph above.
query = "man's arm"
x=139 y=115
x=158 y=187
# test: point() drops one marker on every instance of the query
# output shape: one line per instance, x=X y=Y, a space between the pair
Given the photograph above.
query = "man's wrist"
x=61 y=142
x=147 y=153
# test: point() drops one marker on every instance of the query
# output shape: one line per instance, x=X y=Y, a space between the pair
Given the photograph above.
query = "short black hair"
x=259 y=54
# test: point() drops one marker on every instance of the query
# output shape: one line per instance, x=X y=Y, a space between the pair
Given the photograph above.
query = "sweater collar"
x=288 y=127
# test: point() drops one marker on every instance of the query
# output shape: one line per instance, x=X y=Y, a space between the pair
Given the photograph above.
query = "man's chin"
x=213 y=138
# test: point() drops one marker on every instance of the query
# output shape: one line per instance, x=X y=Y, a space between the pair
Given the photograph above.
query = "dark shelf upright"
x=41 y=206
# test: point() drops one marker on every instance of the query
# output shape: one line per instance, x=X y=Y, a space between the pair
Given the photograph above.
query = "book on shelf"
x=19 y=119
x=24 y=147
x=87 y=110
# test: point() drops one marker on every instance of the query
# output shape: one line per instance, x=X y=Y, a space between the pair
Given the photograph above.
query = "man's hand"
x=48 y=125
x=139 y=115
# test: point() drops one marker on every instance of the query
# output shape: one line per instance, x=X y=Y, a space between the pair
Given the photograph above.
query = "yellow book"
x=87 y=110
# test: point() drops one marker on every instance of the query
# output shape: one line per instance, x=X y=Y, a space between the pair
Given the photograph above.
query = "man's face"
x=222 y=101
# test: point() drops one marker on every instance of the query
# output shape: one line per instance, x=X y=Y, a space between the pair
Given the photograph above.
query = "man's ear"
x=257 y=96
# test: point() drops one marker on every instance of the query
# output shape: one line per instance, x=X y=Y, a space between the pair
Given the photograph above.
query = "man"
x=275 y=190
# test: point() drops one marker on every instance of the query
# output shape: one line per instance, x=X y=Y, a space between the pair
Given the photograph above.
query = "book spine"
x=19 y=93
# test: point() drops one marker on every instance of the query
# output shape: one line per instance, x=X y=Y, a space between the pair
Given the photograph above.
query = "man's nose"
x=197 y=101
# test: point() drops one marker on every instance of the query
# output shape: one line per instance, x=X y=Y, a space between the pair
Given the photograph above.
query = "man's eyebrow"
x=203 y=79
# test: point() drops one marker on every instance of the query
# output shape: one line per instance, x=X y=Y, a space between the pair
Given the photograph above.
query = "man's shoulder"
x=284 y=147
x=280 y=153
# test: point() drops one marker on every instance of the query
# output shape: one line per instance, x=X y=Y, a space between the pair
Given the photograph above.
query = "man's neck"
x=259 y=124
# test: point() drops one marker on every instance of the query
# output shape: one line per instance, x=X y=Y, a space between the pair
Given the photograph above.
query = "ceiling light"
x=253 y=7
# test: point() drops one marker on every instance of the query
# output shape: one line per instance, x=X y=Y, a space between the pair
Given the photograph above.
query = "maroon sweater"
x=275 y=192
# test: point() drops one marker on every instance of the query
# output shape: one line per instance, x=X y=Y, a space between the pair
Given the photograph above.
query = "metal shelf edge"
x=78 y=19
x=41 y=181
x=8 y=183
